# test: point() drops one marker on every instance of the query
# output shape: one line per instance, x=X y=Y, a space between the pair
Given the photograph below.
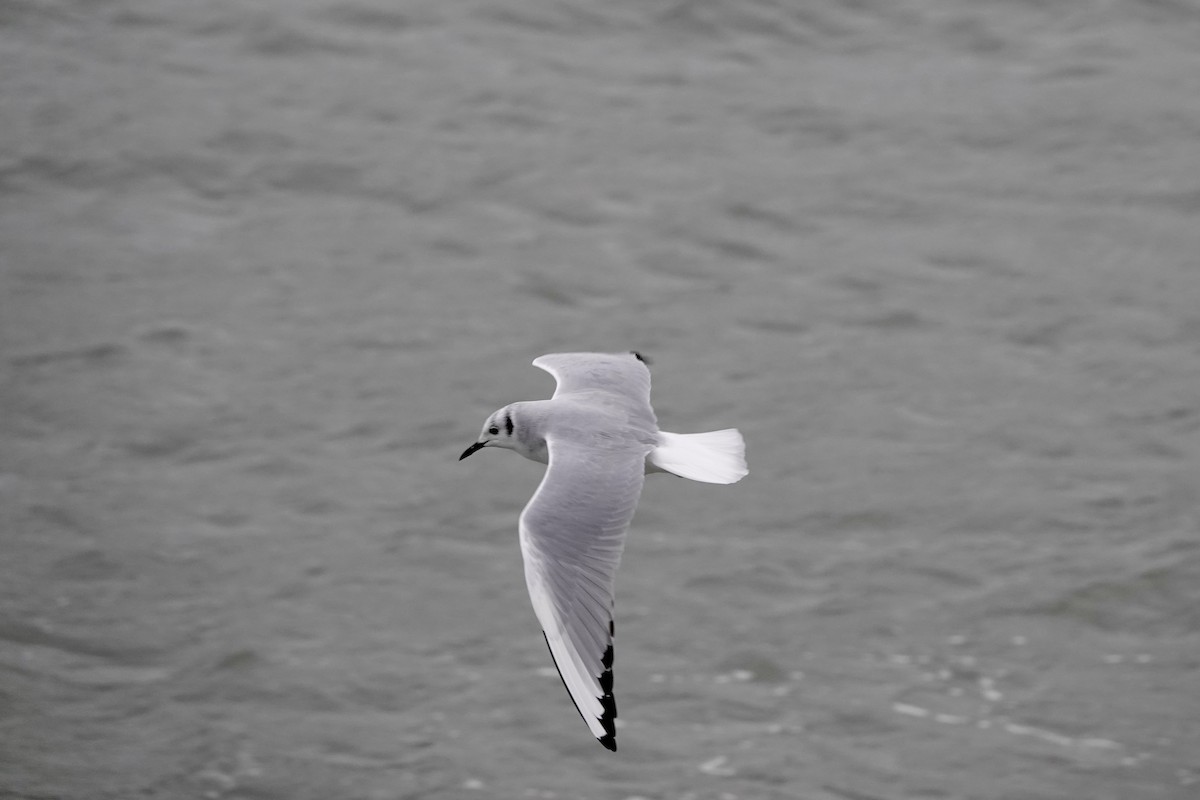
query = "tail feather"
x=712 y=457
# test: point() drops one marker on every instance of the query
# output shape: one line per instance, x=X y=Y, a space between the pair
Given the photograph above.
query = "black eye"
x=493 y=430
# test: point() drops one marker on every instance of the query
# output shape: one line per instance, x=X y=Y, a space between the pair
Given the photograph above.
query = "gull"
x=598 y=437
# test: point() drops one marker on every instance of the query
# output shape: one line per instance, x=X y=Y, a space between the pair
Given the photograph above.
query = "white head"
x=499 y=431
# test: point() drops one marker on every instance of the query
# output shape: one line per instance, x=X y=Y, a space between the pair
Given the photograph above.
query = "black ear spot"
x=644 y=359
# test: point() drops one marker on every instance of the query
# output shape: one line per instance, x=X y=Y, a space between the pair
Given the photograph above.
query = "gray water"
x=266 y=266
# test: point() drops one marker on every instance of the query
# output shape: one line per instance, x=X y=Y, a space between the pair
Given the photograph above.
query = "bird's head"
x=498 y=431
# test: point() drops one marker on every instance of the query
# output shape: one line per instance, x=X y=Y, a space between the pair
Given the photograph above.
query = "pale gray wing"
x=623 y=376
x=572 y=535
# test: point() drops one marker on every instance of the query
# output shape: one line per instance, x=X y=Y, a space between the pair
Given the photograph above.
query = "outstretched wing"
x=623 y=376
x=572 y=536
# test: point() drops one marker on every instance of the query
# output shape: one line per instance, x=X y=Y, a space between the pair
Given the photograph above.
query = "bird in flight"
x=599 y=438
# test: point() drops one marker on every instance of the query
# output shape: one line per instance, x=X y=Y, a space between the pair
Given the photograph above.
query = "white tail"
x=712 y=457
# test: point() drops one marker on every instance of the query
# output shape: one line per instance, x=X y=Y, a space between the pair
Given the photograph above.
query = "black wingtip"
x=644 y=359
x=608 y=702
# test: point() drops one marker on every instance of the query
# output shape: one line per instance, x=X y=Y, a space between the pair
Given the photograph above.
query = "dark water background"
x=266 y=265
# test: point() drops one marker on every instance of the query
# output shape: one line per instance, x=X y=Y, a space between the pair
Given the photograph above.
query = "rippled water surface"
x=265 y=267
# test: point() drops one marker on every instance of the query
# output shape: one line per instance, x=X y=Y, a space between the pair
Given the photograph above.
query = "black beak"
x=471 y=449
